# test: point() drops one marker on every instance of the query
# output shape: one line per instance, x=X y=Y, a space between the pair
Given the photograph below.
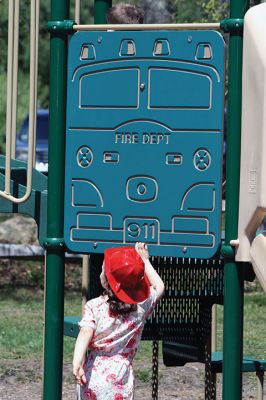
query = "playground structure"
x=198 y=273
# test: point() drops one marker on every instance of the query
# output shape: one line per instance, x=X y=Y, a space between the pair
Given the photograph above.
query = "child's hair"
x=124 y=13
x=116 y=306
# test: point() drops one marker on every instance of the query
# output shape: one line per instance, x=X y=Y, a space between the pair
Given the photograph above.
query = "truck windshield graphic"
x=144 y=142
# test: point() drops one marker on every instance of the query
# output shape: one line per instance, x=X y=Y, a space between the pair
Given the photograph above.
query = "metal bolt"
x=142 y=86
x=95 y=245
x=184 y=249
x=189 y=39
x=100 y=39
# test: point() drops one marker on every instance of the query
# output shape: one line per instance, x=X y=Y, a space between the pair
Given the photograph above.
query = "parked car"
x=42 y=117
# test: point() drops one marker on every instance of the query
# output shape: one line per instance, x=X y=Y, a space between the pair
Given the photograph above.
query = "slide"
x=258 y=258
x=251 y=247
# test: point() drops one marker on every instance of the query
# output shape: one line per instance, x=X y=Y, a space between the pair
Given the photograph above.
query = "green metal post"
x=234 y=272
x=55 y=260
x=100 y=9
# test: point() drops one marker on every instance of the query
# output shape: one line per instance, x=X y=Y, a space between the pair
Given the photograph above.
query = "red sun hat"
x=124 y=270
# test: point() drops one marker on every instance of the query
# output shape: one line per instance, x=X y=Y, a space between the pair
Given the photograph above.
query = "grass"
x=21 y=329
x=22 y=320
x=254 y=325
x=254 y=341
x=143 y=374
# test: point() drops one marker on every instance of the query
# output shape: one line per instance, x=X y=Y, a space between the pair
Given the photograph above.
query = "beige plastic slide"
x=252 y=202
x=258 y=258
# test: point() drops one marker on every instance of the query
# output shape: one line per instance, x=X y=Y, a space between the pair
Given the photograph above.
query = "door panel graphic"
x=144 y=141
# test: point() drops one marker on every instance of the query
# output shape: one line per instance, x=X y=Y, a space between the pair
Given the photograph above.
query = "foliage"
x=143 y=375
x=24 y=29
x=2 y=106
x=201 y=11
x=22 y=103
x=21 y=273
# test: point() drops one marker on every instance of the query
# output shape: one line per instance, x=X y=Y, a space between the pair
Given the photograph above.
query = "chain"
x=155 y=359
x=210 y=377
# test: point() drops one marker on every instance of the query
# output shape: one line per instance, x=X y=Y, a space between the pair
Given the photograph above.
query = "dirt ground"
x=22 y=381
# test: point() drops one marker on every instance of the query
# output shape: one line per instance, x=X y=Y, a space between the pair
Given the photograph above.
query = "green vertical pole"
x=100 y=9
x=234 y=272
x=55 y=260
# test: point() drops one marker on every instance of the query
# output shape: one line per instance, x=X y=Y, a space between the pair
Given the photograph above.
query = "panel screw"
x=202 y=159
x=100 y=39
x=142 y=86
x=184 y=249
x=189 y=39
x=95 y=245
x=84 y=157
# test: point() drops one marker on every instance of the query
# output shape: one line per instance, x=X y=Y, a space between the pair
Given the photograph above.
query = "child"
x=124 y=13
x=113 y=323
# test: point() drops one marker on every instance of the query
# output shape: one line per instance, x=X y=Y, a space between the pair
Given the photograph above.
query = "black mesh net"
x=192 y=286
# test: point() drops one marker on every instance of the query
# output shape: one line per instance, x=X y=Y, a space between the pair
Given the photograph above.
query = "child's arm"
x=154 y=279
x=83 y=340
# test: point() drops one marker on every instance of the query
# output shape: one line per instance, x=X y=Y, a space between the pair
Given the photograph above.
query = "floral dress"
x=115 y=341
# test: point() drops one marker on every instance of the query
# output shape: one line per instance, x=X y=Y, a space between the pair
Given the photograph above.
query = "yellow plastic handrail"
x=147 y=27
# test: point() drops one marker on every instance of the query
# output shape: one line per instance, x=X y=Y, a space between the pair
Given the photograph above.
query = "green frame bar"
x=234 y=272
x=100 y=10
x=55 y=255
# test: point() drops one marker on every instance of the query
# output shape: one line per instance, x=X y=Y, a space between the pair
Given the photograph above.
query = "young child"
x=113 y=323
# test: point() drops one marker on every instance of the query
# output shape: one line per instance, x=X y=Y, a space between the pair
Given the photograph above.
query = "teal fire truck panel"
x=144 y=141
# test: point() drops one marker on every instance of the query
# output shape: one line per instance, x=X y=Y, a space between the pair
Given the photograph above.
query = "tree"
x=201 y=11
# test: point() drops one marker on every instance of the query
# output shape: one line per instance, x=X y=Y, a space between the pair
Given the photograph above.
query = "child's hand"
x=142 y=250
x=79 y=373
